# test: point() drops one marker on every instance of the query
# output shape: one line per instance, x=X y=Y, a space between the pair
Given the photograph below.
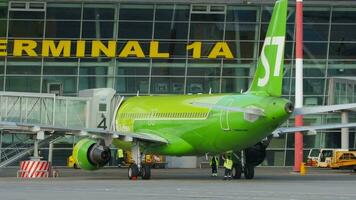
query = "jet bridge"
x=44 y=109
x=92 y=108
x=343 y=90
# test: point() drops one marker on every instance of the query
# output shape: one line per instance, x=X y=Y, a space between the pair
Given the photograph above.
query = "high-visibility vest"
x=228 y=163
x=120 y=153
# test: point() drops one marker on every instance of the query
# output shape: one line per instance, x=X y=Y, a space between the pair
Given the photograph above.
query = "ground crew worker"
x=120 y=157
x=214 y=164
x=228 y=167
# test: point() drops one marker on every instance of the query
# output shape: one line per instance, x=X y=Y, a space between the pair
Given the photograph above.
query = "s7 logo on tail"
x=269 y=41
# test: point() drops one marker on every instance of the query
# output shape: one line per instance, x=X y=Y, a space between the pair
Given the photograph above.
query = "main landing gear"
x=138 y=169
x=242 y=167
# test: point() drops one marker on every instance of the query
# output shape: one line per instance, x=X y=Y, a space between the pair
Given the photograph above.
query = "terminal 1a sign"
x=97 y=48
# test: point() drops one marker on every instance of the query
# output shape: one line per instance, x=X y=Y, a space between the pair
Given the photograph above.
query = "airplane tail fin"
x=269 y=73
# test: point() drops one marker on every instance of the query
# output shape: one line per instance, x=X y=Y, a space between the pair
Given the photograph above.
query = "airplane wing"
x=253 y=111
x=297 y=111
x=147 y=137
x=323 y=109
x=284 y=130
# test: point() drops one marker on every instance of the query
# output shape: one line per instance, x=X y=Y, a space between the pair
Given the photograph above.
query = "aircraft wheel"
x=249 y=171
x=237 y=171
x=133 y=172
x=146 y=172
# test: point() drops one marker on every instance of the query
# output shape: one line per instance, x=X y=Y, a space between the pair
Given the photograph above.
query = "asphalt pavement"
x=270 y=183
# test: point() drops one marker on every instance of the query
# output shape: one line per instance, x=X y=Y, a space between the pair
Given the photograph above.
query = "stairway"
x=16 y=151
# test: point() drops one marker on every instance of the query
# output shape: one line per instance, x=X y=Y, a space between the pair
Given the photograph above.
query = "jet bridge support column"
x=35 y=149
x=50 y=152
x=344 y=131
x=39 y=136
x=1 y=132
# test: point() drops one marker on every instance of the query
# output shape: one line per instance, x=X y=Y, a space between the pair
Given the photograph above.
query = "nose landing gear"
x=144 y=172
x=133 y=172
x=138 y=168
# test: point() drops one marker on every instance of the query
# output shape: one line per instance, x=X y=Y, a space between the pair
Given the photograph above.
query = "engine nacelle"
x=89 y=155
x=255 y=154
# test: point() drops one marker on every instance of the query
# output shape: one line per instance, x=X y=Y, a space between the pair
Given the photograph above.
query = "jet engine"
x=90 y=155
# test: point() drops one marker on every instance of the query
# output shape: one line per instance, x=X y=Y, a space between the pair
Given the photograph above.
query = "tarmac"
x=270 y=183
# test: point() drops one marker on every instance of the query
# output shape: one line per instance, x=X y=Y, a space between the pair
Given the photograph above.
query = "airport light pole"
x=298 y=136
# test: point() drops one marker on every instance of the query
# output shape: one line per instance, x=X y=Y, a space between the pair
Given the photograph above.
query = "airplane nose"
x=289 y=107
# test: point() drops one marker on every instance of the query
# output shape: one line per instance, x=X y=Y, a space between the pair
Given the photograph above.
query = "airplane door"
x=224 y=117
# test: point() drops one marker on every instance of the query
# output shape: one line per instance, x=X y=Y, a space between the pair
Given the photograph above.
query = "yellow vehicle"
x=156 y=161
x=324 y=158
x=343 y=159
x=333 y=158
x=315 y=157
x=71 y=162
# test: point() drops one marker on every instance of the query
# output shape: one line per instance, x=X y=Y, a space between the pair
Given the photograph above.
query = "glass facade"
x=329 y=50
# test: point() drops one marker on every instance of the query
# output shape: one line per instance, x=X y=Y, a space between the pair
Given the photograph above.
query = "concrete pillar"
x=1 y=145
x=35 y=150
x=111 y=73
x=39 y=136
x=344 y=131
x=50 y=152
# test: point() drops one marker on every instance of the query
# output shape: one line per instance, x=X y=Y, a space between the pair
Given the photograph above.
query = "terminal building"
x=63 y=47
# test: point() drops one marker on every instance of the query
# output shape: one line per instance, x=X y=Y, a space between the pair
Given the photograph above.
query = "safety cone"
x=303 y=169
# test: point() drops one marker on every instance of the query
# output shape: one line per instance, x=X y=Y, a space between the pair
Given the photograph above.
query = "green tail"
x=269 y=73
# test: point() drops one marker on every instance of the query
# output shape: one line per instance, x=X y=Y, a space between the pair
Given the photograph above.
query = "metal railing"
x=14 y=148
x=20 y=152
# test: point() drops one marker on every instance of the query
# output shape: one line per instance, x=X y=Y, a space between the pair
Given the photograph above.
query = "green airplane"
x=199 y=125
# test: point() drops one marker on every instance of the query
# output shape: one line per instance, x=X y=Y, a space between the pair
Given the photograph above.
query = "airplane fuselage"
x=196 y=130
